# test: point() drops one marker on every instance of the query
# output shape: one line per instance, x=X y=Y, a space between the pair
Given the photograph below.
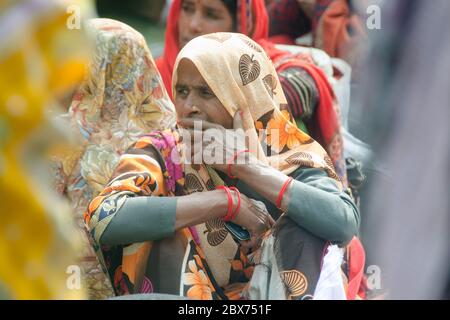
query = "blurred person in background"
x=407 y=112
x=120 y=99
x=149 y=10
x=335 y=26
x=41 y=59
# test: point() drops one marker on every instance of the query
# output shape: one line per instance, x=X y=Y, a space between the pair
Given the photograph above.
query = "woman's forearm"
x=200 y=207
x=333 y=217
x=154 y=218
x=313 y=200
x=263 y=179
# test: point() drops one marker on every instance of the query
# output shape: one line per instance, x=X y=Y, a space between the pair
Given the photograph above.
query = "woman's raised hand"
x=214 y=145
x=254 y=217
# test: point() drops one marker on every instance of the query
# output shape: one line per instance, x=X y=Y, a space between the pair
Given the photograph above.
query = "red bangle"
x=236 y=211
x=231 y=162
x=230 y=203
x=282 y=191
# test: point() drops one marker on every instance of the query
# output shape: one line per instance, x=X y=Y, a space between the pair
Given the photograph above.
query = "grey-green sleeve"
x=141 y=219
x=317 y=204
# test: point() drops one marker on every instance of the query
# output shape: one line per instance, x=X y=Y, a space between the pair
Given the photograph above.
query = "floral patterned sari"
x=121 y=98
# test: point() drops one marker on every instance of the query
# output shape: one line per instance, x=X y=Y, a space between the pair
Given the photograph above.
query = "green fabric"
x=142 y=219
x=317 y=205
x=302 y=126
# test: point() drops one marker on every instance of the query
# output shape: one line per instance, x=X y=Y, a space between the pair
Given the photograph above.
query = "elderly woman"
x=120 y=99
x=165 y=225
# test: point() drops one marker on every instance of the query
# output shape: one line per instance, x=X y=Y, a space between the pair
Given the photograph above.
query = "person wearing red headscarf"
x=311 y=100
x=336 y=26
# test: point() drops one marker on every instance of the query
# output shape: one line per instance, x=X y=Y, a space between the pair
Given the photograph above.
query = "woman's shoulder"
x=316 y=177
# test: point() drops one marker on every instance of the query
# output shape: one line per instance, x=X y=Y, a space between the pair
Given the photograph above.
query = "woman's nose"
x=189 y=109
x=192 y=111
x=195 y=24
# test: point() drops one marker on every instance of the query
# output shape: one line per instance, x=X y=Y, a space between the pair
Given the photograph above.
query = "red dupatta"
x=171 y=48
x=256 y=19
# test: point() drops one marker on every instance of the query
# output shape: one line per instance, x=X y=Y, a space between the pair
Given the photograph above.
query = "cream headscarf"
x=242 y=77
x=121 y=99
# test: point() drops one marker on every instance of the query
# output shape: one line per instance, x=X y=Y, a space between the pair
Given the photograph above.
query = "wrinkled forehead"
x=211 y=52
x=188 y=74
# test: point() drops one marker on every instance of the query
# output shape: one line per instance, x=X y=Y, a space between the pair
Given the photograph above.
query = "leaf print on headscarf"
x=216 y=232
x=270 y=83
x=251 y=44
x=295 y=283
x=302 y=159
x=329 y=168
x=124 y=131
x=192 y=183
x=249 y=69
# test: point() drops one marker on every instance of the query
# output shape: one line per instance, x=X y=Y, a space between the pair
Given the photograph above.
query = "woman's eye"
x=188 y=8
x=182 y=92
x=211 y=15
x=207 y=93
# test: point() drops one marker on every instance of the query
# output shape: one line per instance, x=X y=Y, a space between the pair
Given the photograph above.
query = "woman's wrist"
x=221 y=203
x=246 y=162
x=262 y=178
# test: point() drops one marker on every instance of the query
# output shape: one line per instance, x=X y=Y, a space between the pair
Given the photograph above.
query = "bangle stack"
x=230 y=213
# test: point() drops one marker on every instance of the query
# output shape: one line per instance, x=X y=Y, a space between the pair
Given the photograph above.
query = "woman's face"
x=195 y=100
x=199 y=17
